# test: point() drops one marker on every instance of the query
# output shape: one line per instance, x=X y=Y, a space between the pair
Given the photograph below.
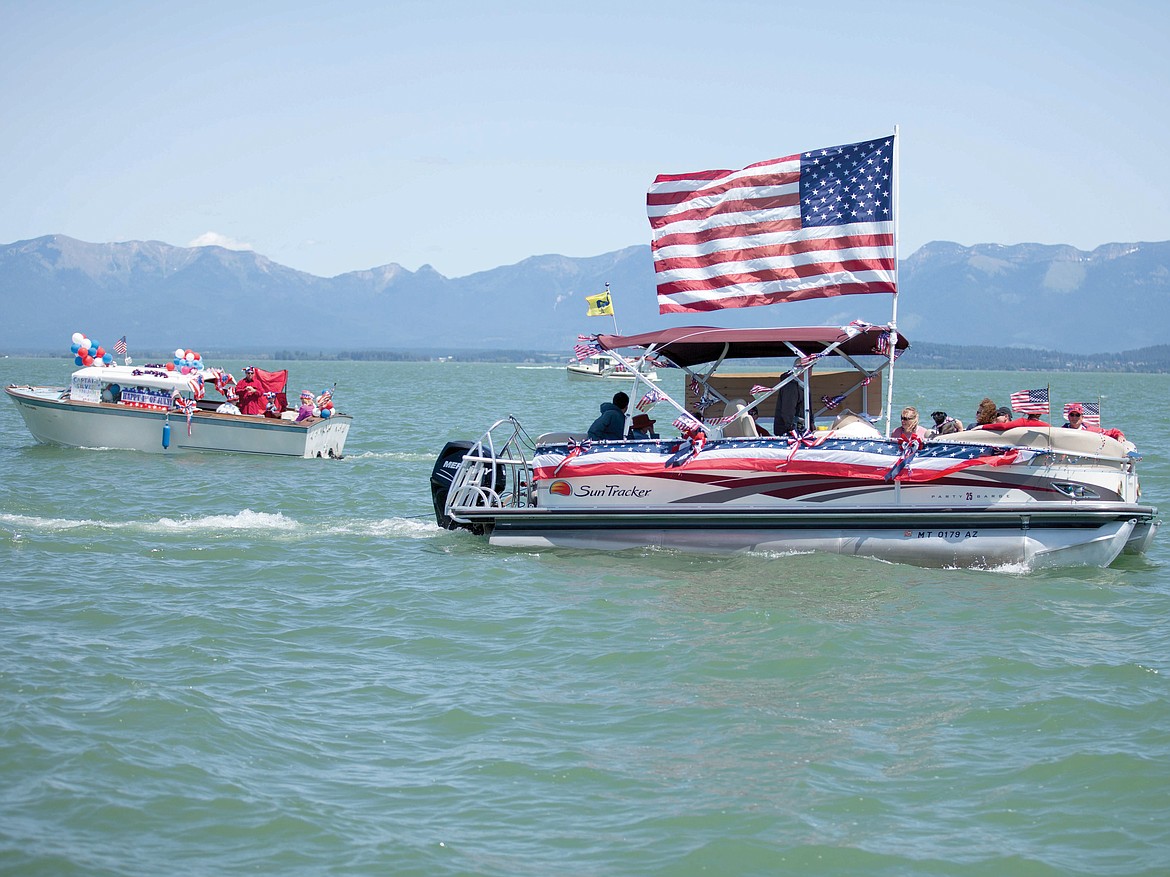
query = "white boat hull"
x=74 y=424
x=1001 y=543
x=607 y=368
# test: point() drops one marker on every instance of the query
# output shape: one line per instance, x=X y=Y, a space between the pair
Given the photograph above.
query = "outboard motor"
x=444 y=474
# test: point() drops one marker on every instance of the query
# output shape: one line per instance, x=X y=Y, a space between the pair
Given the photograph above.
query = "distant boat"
x=608 y=367
x=157 y=411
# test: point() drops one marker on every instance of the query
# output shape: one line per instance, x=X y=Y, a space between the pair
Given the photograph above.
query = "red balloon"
x=87 y=360
x=101 y=351
x=170 y=366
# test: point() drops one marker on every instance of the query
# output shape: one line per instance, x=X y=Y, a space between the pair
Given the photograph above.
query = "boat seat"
x=850 y=425
x=742 y=426
x=560 y=438
x=1054 y=438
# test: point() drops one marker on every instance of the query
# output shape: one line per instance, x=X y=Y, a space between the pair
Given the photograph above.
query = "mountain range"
x=1052 y=297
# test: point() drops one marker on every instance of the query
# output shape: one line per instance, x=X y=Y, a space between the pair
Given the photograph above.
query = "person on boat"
x=1002 y=415
x=612 y=422
x=251 y=394
x=755 y=413
x=643 y=427
x=943 y=425
x=985 y=413
x=910 y=427
x=1076 y=417
x=308 y=407
x=229 y=404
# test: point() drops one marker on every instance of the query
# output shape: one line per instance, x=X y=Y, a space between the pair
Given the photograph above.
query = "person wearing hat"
x=1076 y=416
x=1002 y=414
x=943 y=425
x=308 y=407
x=229 y=404
x=643 y=427
x=251 y=393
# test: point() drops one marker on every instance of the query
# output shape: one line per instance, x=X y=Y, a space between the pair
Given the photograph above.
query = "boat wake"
x=245 y=521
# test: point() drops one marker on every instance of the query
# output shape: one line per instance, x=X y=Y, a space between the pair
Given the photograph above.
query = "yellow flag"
x=600 y=305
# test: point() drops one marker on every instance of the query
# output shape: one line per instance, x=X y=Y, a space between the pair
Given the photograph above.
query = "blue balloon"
x=326 y=413
x=108 y=358
x=73 y=348
x=78 y=360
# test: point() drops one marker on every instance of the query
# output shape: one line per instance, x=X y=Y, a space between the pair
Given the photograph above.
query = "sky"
x=466 y=135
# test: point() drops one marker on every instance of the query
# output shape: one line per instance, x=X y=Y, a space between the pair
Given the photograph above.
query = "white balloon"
x=77 y=338
x=179 y=353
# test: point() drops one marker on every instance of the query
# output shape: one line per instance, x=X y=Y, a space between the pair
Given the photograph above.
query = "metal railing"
x=483 y=480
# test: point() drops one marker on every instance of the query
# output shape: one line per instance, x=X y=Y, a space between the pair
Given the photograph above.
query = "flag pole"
x=612 y=309
x=894 y=305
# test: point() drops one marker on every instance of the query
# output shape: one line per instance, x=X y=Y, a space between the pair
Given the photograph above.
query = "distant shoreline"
x=922 y=355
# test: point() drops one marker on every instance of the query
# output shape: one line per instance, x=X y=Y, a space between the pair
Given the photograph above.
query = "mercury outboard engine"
x=444 y=473
x=442 y=476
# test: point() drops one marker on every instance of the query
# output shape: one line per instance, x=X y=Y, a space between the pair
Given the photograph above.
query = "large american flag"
x=1030 y=401
x=812 y=225
x=120 y=346
x=1090 y=412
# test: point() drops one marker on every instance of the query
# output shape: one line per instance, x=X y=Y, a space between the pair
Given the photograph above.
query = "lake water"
x=216 y=665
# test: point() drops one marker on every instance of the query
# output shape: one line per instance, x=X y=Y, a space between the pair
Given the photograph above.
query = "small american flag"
x=686 y=424
x=649 y=400
x=120 y=346
x=1090 y=412
x=586 y=346
x=831 y=402
x=1031 y=401
x=760 y=389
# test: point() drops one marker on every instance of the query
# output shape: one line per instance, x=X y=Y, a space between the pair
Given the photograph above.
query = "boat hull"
x=74 y=424
x=1001 y=538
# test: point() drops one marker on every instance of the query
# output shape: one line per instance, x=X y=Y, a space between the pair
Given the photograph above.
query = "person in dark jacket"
x=612 y=422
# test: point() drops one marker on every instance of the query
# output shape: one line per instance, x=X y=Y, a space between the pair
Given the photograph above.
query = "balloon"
x=78 y=360
x=179 y=353
x=87 y=360
x=77 y=336
x=101 y=352
x=170 y=366
x=187 y=354
x=326 y=413
x=73 y=348
x=185 y=369
x=107 y=358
